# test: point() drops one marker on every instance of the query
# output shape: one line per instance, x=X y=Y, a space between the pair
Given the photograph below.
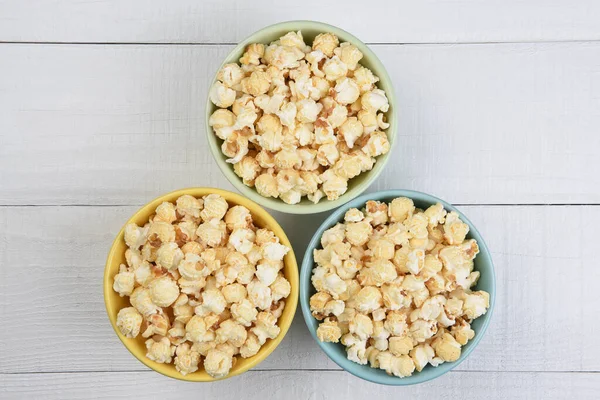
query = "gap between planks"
x=454 y=204
x=137 y=371
x=235 y=43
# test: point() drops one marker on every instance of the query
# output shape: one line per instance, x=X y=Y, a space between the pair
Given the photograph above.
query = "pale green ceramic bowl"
x=336 y=351
x=356 y=186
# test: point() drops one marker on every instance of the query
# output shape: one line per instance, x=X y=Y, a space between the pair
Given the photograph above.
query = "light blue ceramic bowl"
x=336 y=351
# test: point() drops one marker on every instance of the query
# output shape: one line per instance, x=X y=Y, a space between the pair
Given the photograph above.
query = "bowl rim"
x=284 y=321
x=306 y=284
x=370 y=176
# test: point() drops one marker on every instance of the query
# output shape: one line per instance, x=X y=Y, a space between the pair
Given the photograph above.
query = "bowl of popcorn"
x=397 y=287
x=201 y=284
x=301 y=117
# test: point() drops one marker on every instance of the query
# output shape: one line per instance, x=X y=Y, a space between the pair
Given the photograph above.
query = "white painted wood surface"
x=483 y=124
x=218 y=21
x=321 y=385
x=102 y=109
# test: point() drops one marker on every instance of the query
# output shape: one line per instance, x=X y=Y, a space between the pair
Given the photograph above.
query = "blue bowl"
x=336 y=351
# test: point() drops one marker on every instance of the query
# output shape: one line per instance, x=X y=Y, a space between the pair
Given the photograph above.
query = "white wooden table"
x=101 y=110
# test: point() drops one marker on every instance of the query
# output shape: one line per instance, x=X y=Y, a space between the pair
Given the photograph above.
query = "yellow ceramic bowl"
x=114 y=302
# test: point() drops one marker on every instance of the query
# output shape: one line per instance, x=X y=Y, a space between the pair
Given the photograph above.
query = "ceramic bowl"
x=336 y=351
x=357 y=185
x=114 y=302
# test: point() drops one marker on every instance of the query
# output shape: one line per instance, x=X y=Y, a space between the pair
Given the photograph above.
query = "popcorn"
x=160 y=351
x=221 y=95
x=189 y=206
x=204 y=281
x=365 y=79
x=326 y=43
x=288 y=107
x=349 y=54
x=329 y=331
x=231 y=332
x=368 y=299
x=186 y=359
x=124 y=281
x=394 y=285
x=446 y=347
x=129 y=321
x=135 y=236
x=250 y=347
x=244 y=312
x=253 y=54
x=400 y=346
x=217 y=363
x=265 y=327
x=346 y=91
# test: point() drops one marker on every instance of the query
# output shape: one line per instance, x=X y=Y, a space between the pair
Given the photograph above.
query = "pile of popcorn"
x=394 y=286
x=202 y=281
x=297 y=120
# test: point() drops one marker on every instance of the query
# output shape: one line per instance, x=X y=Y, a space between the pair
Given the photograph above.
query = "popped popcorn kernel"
x=129 y=321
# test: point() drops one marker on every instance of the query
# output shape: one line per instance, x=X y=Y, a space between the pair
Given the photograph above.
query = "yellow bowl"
x=114 y=302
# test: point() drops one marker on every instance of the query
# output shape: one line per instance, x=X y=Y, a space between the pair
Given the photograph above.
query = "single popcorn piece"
x=231 y=75
x=265 y=327
x=335 y=69
x=349 y=54
x=400 y=346
x=160 y=351
x=142 y=301
x=476 y=304
x=368 y=299
x=204 y=281
x=244 y=312
x=361 y=326
x=346 y=91
x=169 y=255
x=135 y=236
x=221 y=95
x=186 y=359
x=256 y=84
x=166 y=212
x=253 y=54
x=231 y=332
x=157 y=324
x=329 y=331
x=446 y=347
x=250 y=347
x=129 y=321
x=163 y=291
x=124 y=281
x=217 y=363
x=189 y=206
x=351 y=130
x=455 y=230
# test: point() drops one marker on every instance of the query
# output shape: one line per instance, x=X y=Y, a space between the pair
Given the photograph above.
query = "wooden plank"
x=53 y=318
x=299 y=385
x=218 y=21
x=511 y=123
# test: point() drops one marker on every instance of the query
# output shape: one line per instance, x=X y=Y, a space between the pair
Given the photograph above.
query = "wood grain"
x=479 y=124
x=229 y=21
x=299 y=385
x=53 y=314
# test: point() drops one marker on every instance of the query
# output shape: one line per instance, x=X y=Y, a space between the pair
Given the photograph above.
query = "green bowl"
x=357 y=185
x=337 y=352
